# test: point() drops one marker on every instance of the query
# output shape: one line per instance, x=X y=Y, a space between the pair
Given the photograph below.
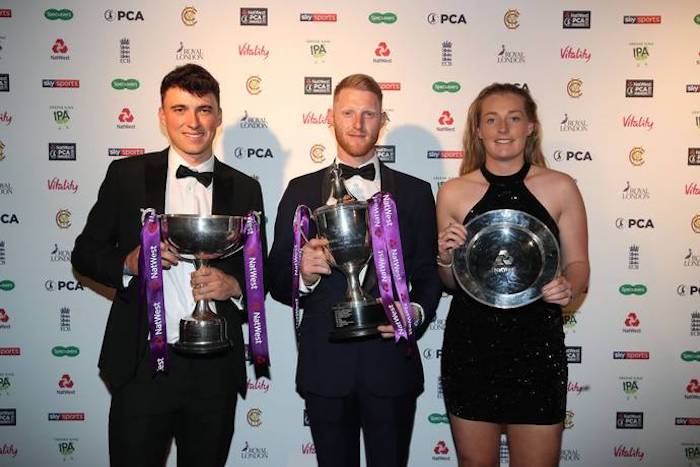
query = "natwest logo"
x=59 y=50
x=633 y=452
x=62 y=151
x=253 y=16
x=381 y=53
x=66 y=386
x=632 y=323
x=317 y=85
x=125 y=119
x=441 y=451
x=445 y=121
x=639 y=88
x=693 y=389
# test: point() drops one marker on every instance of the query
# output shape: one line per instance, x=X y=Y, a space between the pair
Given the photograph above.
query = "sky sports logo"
x=66 y=416
x=445 y=154
x=10 y=351
x=125 y=152
x=630 y=355
x=60 y=83
x=325 y=17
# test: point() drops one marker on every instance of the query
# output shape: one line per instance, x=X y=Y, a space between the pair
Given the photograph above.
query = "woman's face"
x=504 y=126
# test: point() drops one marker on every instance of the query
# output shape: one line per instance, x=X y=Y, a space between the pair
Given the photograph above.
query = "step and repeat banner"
x=618 y=87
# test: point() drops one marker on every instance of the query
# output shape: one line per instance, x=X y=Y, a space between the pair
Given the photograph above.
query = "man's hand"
x=315 y=260
x=213 y=284
x=167 y=255
x=387 y=330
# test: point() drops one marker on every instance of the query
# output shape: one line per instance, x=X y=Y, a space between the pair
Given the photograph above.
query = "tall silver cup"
x=200 y=239
x=345 y=226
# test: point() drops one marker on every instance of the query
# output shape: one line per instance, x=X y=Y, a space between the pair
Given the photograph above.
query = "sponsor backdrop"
x=617 y=84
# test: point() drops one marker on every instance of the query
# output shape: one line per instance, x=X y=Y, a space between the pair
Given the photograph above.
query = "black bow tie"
x=367 y=172
x=204 y=178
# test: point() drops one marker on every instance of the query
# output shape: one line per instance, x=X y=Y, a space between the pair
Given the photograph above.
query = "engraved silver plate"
x=509 y=255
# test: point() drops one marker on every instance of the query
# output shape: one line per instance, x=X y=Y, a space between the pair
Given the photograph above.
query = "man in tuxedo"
x=370 y=384
x=195 y=400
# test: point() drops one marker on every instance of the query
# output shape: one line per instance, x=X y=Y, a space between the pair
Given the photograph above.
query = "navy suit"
x=111 y=232
x=351 y=370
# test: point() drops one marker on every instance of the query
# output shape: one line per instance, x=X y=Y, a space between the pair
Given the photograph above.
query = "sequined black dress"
x=505 y=366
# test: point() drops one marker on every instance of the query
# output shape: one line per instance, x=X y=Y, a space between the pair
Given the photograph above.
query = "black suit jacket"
x=113 y=230
x=336 y=368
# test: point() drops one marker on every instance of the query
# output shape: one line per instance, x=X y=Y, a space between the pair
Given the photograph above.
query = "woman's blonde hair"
x=474 y=154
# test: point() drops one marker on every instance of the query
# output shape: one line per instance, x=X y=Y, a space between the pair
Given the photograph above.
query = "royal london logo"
x=188 y=54
x=691 y=260
x=249 y=122
x=572 y=125
x=630 y=192
x=504 y=55
x=255 y=453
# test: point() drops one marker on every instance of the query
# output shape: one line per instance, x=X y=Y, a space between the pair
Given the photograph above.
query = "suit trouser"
x=148 y=412
x=386 y=424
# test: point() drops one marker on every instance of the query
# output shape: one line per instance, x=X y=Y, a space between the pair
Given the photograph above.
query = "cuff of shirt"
x=238 y=302
x=307 y=289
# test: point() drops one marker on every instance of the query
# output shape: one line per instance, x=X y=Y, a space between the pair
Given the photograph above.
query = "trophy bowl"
x=199 y=239
x=509 y=255
x=345 y=227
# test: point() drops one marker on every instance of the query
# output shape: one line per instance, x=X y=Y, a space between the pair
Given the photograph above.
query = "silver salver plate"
x=509 y=255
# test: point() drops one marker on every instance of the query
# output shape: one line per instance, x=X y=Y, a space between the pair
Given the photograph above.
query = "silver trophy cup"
x=345 y=227
x=200 y=239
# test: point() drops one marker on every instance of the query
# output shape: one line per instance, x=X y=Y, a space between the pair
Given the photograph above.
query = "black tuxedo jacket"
x=113 y=230
x=335 y=369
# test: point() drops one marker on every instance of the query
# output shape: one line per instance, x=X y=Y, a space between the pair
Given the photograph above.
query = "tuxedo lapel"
x=223 y=196
x=325 y=185
x=155 y=178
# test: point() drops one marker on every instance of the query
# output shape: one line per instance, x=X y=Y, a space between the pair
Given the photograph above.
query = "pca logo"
x=576 y=19
x=63 y=219
x=120 y=15
x=574 y=354
x=574 y=88
x=317 y=153
x=429 y=353
x=450 y=86
x=254 y=417
x=579 y=156
x=317 y=85
x=385 y=154
x=512 y=19
x=260 y=153
x=8 y=417
x=62 y=151
x=189 y=16
x=629 y=420
x=4 y=82
x=639 y=88
x=253 y=16
x=636 y=156
x=693 y=156
x=254 y=85
x=379 y=18
x=442 y=18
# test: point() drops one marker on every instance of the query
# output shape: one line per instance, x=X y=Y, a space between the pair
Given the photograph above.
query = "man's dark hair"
x=191 y=78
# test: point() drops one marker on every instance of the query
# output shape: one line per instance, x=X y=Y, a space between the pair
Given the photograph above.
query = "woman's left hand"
x=558 y=291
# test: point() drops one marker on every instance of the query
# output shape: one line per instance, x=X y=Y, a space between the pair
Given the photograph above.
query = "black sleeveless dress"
x=505 y=366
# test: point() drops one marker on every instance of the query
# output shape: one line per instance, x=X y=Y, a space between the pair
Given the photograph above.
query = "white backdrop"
x=633 y=157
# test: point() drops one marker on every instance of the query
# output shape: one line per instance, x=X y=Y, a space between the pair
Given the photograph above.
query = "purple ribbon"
x=151 y=286
x=255 y=292
x=301 y=233
x=388 y=261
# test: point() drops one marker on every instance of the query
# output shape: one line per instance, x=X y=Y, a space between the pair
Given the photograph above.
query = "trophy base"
x=354 y=320
x=202 y=336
